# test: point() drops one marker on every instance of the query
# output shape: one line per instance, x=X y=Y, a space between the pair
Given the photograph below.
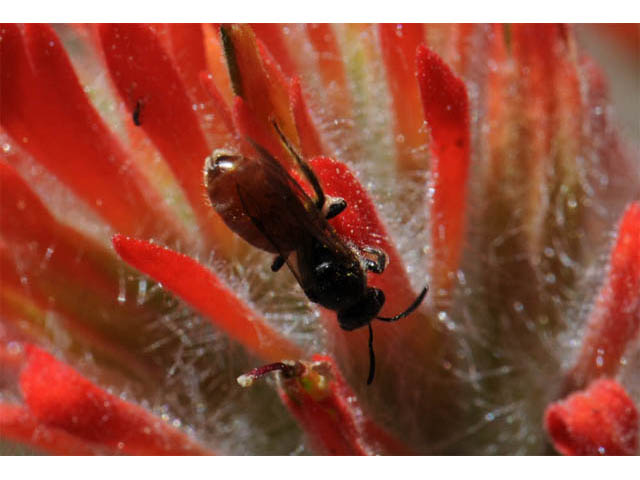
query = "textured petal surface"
x=602 y=420
x=205 y=292
x=330 y=414
x=446 y=109
x=61 y=398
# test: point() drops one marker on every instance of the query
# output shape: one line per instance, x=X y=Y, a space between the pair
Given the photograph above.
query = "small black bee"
x=260 y=201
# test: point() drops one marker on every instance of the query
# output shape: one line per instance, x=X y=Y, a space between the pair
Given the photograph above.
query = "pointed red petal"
x=310 y=144
x=216 y=62
x=24 y=220
x=59 y=269
x=258 y=80
x=251 y=128
x=143 y=71
x=60 y=397
x=200 y=288
x=615 y=318
x=220 y=107
x=446 y=109
x=18 y=424
x=599 y=421
x=271 y=35
x=399 y=43
x=330 y=62
x=330 y=414
x=186 y=44
x=361 y=224
x=46 y=111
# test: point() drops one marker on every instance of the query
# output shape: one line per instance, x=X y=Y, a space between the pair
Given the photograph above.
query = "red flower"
x=481 y=159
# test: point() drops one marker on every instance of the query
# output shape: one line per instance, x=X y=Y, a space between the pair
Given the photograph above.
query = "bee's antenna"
x=372 y=357
x=306 y=169
x=416 y=303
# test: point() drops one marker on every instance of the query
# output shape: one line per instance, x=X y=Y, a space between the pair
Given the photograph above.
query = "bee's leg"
x=277 y=264
x=333 y=207
x=378 y=264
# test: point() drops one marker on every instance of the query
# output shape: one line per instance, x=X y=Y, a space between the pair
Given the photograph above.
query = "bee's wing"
x=300 y=216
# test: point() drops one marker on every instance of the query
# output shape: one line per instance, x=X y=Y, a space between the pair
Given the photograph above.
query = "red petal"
x=53 y=266
x=60 y=397
x=251 y=128
x=200 y=288
x=186 y=43
x=599 y=421
x=258 y=80
x=143 y=71
x=446 y=109
x=615 y=317
x=272 y=36
x=309 y=140
x=399 y=43
x=360 y=224
x=46 y=111
x=24 y=220
x=550 y=111
x=219 y=105
x=18 y=424
x=329 y=57
x=330 y=414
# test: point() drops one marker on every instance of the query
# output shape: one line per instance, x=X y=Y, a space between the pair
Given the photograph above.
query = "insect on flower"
x=137 y=112
x=260 y=201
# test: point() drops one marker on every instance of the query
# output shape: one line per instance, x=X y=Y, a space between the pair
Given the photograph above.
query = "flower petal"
x=399 y=43
x=25 y=221
x=258 y=80
x=200 y=288
x=18 y=424
x=46 y=111
x=271 y=34
x=332 y=70
x=615 y=318
x=144 y=72
x=51 y=266
x=60 y=397
x=310 y=143
x=360 y=223
x=446 y=109
x=328 y=411
x=599 y=421
x=219 y=105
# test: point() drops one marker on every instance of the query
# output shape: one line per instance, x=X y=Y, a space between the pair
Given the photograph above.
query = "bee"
x=262 y=202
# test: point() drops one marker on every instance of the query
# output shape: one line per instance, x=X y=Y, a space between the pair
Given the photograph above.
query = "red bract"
x=60 y=398
x=328 y=410
x=513 y=252
x=144 y=72
x=446 y=109
x=310 y=144
x=257 y=80
x=202 y=289
x=361 y=224
x=46 y=112
x=615 y=317
x=399 y=44
x=599 y=421
x=18 y=424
